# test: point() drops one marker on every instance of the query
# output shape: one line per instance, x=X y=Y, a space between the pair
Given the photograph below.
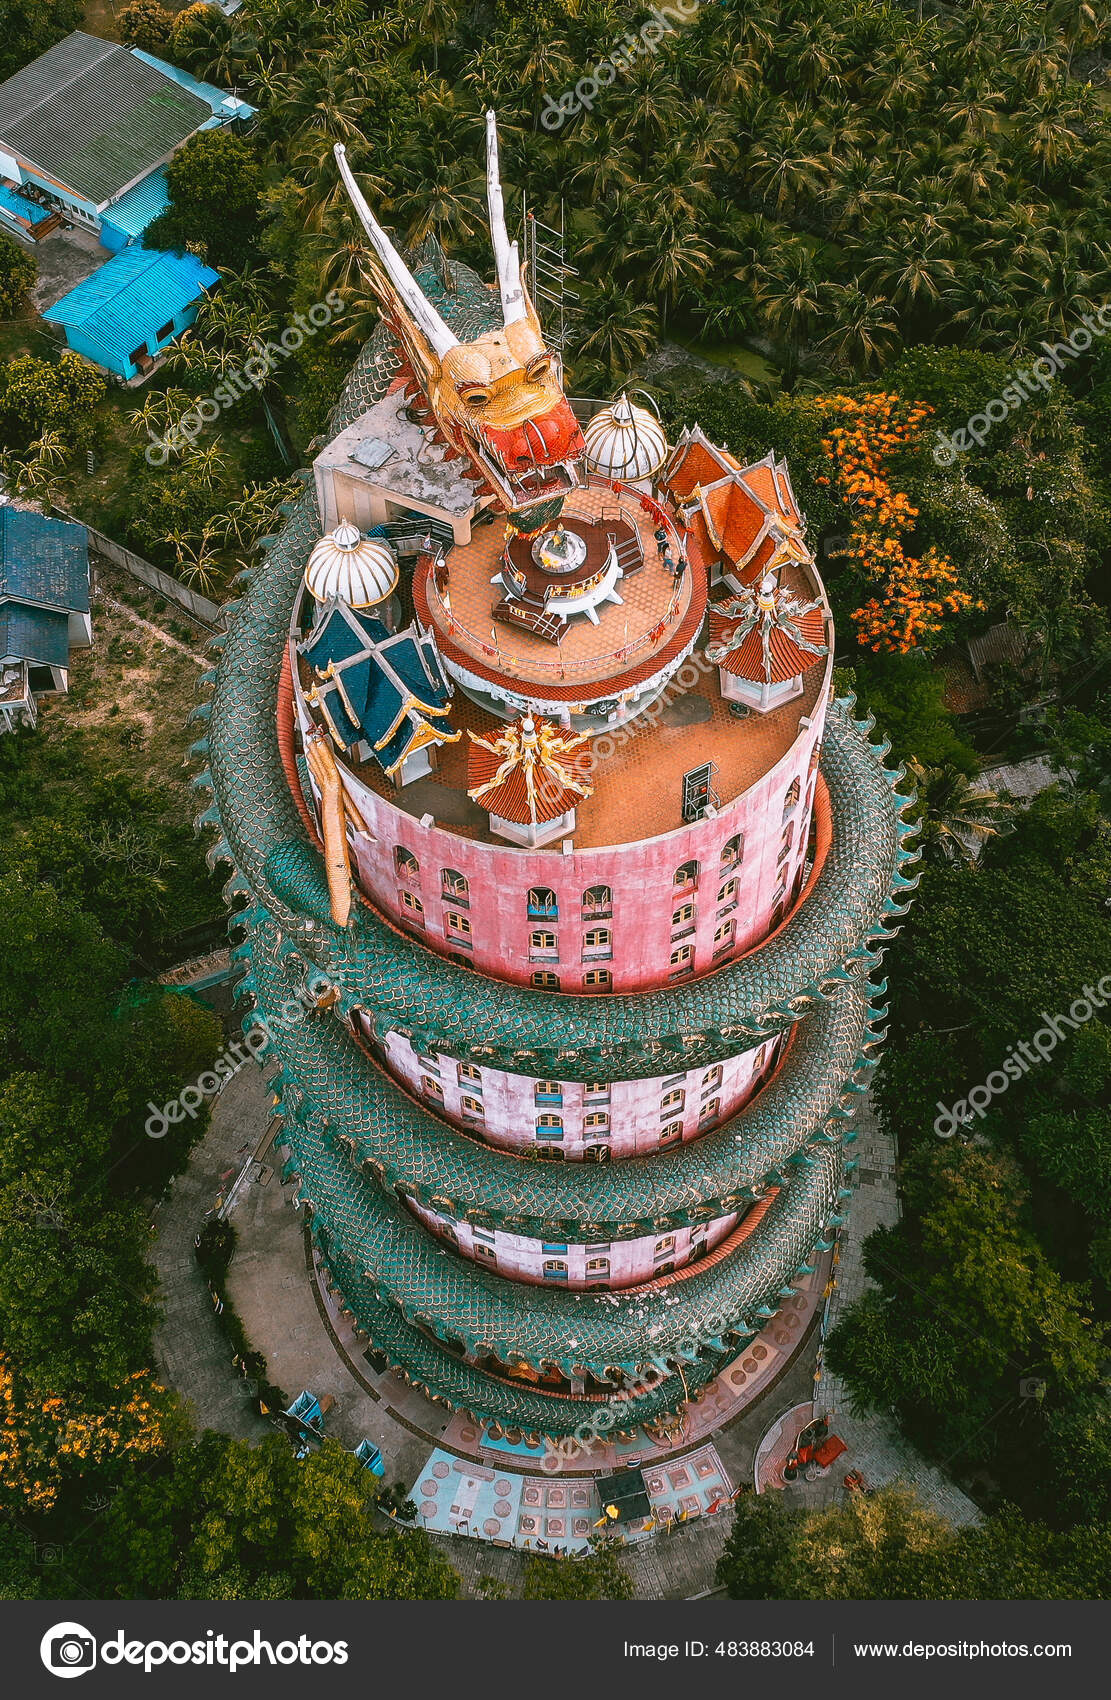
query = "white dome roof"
x=358 y=570
x=625 y=441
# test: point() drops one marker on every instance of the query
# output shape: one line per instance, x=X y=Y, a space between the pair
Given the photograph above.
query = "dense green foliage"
x=886 y=1546
x=224 y=1520
x=145 y=24
x=599 y=1575
x=17 y=275
x=214 y=183
x=833 y=180
x=986 y=1333
x=43 y=395
x=29 y=27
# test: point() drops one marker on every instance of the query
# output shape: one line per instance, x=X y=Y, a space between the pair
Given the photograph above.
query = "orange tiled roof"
x=530 y=771
x=767 y=653
x=695 y=460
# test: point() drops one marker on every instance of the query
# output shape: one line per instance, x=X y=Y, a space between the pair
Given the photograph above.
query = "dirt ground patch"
x=131 y=693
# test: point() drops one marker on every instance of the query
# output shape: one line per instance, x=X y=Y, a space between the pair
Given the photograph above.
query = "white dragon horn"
x=415 y=301
x=506 y=256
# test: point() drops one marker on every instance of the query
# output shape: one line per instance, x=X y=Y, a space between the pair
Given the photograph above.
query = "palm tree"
x=911 y=269
x=621 y=330
x=957 y=815
x=435 y=20
x=859 y=186
x=784 y=163
x=792 y=300
x=651 y=105
x=671 y=256
x=864 y=330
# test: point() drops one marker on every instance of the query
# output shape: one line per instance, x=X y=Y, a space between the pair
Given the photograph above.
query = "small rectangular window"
x=165 y=331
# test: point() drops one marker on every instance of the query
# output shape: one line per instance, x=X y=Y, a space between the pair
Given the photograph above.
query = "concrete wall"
x=401 y=868
x=623 y=1263
x=626 y=1118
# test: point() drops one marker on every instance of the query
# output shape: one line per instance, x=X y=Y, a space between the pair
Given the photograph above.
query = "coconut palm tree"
x=618 y=331
x=911 y=269
x=786 y=164
x=791 y=302
x=863 y=329
x=957 y=815
x=435 y=20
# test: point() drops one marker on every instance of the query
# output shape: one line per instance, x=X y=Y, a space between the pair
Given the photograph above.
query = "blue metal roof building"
x=224 y=106
x=137 y=303
x=126 y=219
x=44 y=607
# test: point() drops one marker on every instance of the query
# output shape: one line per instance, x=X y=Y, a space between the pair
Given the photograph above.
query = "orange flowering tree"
x=45 y=1439
x=913 y=593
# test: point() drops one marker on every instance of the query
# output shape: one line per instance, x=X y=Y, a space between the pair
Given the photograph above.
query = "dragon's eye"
x=538 y=367
x=475 y=395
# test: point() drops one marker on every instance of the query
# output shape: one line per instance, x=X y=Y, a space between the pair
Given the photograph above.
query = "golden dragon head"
x=497 y=399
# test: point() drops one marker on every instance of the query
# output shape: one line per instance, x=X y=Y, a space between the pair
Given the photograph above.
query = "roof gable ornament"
x=537 y=773
x=765 y=633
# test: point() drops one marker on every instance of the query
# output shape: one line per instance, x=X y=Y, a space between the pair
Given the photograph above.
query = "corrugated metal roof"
x=141 y=205
x=38 y=635
x=131 y=296
x=222 y=103
x=50 y=74
x=95 y=116
x=43 y=560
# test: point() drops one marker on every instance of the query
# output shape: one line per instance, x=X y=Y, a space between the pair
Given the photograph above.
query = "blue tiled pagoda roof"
x=375 y=686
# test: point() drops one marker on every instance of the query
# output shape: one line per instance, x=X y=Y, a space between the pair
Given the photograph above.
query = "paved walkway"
x=192 y=1352
x=1022 y=780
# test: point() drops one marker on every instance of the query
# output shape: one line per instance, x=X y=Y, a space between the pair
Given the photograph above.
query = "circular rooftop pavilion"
x=506 y=642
